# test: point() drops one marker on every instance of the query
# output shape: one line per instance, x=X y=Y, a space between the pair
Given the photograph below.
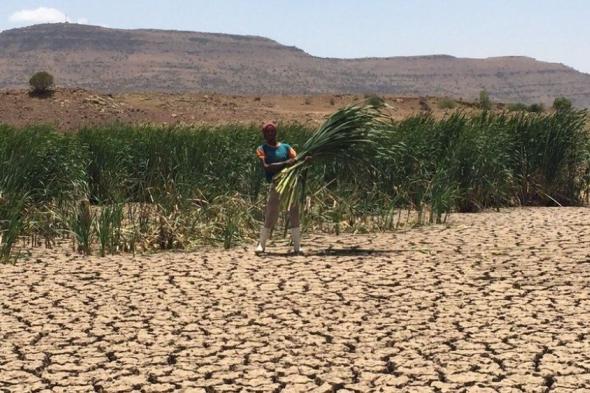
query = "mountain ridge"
x=121 y=60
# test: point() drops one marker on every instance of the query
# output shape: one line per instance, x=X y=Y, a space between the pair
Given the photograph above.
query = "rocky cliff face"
x=135 y=60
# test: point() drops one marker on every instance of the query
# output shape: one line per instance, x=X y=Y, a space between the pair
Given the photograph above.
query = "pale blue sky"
x=549 y=30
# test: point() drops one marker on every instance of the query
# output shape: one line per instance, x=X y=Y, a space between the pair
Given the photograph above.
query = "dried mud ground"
x=491 y=302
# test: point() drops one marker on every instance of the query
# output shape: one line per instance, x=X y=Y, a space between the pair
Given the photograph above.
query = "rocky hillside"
x=113 y=60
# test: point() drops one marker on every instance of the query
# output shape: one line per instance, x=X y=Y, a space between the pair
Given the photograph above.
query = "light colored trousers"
x=273 y=206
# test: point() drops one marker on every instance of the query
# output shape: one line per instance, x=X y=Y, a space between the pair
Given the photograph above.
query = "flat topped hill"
x=115 y=60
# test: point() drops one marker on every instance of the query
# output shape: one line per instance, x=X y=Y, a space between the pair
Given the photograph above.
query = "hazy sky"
x=549 y=30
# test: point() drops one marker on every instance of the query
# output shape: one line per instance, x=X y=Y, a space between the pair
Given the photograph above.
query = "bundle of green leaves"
x=347 y=136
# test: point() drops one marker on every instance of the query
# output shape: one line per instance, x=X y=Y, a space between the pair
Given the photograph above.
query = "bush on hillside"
x=485 y=102
x=562 y=104
x=375 y=101
x=41 y=83
x=537 y=108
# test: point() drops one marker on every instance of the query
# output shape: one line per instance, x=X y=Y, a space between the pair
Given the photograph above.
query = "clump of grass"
x=518 y=107
x=233 y=220
x=82 y=227
x=447 y=103
x=108 y=228
x=12 y=218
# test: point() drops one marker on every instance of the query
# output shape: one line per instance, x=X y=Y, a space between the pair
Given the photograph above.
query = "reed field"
x=142 y=188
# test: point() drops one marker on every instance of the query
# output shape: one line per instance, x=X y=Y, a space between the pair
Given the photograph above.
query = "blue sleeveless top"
x=273 y=154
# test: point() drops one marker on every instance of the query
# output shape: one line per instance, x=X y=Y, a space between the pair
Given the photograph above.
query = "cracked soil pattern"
x=493 y=302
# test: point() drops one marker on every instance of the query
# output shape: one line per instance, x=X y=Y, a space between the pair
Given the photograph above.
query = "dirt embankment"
x=71 y=109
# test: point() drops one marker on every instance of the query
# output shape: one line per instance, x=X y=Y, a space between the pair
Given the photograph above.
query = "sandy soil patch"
x=493 y=302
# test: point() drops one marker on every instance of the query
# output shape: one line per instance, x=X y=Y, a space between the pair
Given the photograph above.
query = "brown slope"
x=72 y=109
x=131 y=60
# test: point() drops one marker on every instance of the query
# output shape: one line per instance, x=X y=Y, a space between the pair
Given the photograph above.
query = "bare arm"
x=276 y=167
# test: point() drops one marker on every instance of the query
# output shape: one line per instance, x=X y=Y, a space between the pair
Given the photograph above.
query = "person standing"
x=275 y=156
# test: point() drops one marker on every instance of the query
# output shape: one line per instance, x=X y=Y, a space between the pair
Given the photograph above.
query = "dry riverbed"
x=491 y=302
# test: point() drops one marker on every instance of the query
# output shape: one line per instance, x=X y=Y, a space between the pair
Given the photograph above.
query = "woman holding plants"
x=274 y=157
x=348 y=137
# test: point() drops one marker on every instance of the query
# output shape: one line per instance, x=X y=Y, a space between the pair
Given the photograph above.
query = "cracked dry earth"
x=493 y=302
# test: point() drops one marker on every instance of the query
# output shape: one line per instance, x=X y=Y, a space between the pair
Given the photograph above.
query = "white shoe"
x=264 y=235
x=259 y=249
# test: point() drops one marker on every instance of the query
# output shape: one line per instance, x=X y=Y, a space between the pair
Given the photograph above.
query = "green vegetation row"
x=124 y=189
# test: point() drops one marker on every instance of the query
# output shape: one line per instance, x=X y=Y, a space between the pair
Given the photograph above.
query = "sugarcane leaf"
x=348 y=136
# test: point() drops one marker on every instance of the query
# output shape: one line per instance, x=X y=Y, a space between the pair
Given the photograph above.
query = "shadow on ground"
x=332 y=252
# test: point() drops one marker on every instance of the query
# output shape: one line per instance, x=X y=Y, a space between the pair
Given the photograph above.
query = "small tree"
x=375 y=101
x=562 y=104
x=485 y=102
x=41 y=83
x=537 y=108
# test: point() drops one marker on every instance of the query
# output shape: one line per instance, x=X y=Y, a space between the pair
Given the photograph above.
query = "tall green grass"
x=163 y=187
x=488 y=160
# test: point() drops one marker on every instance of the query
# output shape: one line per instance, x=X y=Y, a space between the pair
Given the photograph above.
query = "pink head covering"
x=269 y=127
